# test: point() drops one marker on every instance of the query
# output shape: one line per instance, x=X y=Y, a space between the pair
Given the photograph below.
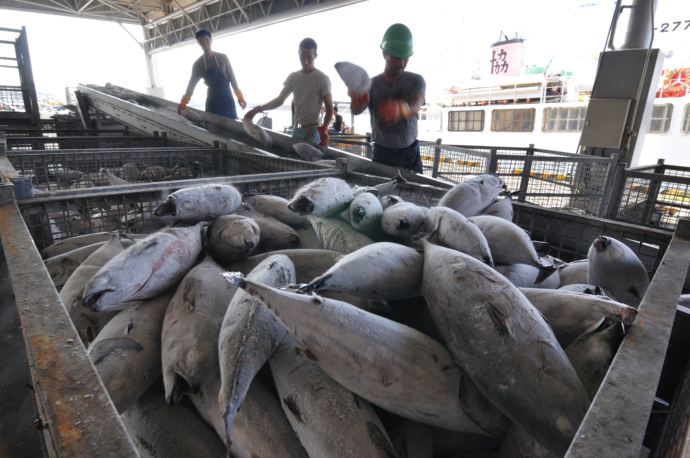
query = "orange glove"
x=323 y=133
x=183 y=104
x=391 y=111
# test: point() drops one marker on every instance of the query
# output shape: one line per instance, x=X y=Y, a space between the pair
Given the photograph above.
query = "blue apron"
x=218 y=98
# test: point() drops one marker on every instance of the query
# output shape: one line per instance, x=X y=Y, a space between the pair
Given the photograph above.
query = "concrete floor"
x=17 y=413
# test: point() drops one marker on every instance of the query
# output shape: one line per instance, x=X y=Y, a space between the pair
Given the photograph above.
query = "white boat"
x=547 y=108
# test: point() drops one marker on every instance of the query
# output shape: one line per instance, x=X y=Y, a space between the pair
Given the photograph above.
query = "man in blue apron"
x=311 y=89
x=215 y=69
x=394 y=100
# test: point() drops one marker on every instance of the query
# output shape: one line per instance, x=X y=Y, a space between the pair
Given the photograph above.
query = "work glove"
x=240 y=99
x=323 y=134
x=183 y=104
x=391 y=111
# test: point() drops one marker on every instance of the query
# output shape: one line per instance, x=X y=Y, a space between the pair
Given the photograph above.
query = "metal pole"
x=437 y=158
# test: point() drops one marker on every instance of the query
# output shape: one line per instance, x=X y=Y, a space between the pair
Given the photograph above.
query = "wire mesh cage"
x=655 y=196
x=50 y=171
x=81 y=142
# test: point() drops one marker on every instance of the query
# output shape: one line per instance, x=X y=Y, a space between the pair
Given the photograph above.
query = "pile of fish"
x=347 y=322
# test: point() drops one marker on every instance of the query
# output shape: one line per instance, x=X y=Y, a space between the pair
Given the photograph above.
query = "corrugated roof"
x=169 y=23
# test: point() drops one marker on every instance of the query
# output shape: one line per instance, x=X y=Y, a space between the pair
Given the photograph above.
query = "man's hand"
x=391 y=111
x=240 y=99
x=183 y=104
x=253 y=112
x=323 y=134
x=358 y=101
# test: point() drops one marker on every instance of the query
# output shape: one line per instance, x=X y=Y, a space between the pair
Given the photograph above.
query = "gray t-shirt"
x=308 y=90
x=199 y=70
x=404 y=132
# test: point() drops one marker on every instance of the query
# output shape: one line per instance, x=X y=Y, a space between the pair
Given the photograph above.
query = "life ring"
x=677 y=80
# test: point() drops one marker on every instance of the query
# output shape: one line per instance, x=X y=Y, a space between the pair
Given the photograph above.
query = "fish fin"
x=632 y=290
x=502 y=322
x=544 y=273
x=104 y=348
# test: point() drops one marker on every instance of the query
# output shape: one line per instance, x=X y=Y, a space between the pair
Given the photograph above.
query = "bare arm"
x=328 y=100
x=275 y=103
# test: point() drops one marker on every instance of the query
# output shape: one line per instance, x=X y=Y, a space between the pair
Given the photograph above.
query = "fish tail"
x=544 y=273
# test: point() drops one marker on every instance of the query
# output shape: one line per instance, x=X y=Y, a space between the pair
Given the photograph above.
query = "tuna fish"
x=160 y=430
x=471 y=197
x=381 y=271
x=248 y=336
x=616 y=268
x=232 y=238
x=323 y=197
x=150 y=267
x=88 y=323
x=260 y=429
x=363 y=352
x=127 y=353
x=200 y=203
x=274 y=206
x=273 y=234
x=570 y=314
x=191 y=328
x=337 y=235
x=402 y=220
x=329 y=419
x=309 y=263
x=256 y=132
x=365 y=214
x=504 y=345
x=524 y=275
x=308 y=152
x=355 y=77
x=112 y=179
x=455 y=231
x=510 y=244
x=593 y=351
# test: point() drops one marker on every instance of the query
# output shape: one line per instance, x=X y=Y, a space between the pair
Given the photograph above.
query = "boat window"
x=661 y=119
x=467 y=121
x=686 y=120
x=569 y=119
x=521 y=120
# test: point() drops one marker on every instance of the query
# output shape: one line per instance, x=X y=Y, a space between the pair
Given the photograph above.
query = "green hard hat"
x=397 y=41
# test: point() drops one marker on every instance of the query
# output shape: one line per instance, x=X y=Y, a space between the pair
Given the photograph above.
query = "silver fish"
x=381 y=271
x=158 y=429
x=360 y=351
x=323 y=197
x=505 y=346
x=274 y=206
x=308 y=152
x=112 y=179
x=232 y=238
x=402 y=220
x=256 y=132
x=248 y=336
x=616 y=268
x=191 y=326
x=453 y=230
x=355 y=77
x=328 y=418
x=510 y=244
x=472 y=196
x=200 y=202
x=127 y=352
x=147 y=269
x=337 y=235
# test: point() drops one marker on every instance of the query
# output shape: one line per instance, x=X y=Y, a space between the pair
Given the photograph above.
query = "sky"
x=451 y=42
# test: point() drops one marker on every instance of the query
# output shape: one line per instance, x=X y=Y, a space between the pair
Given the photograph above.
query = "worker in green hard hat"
x=393 y=100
